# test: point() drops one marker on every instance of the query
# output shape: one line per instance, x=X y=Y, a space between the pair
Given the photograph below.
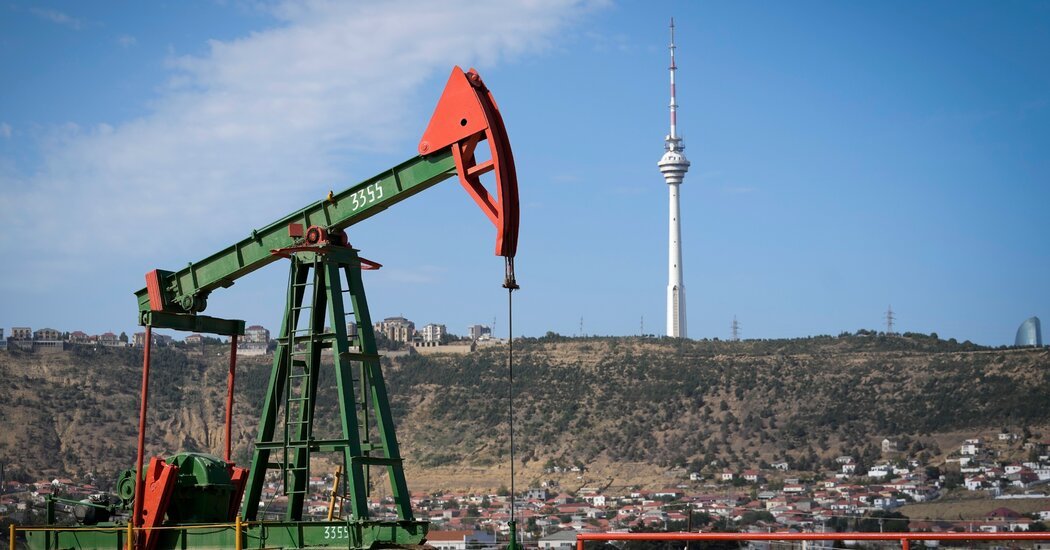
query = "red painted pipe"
x=136 y=517
x=903 y=537
x=229 y=394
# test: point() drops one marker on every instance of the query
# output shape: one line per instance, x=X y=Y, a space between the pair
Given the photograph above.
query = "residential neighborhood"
x=751 y=500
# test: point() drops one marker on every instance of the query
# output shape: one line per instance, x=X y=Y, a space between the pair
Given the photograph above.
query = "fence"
x=238 y=527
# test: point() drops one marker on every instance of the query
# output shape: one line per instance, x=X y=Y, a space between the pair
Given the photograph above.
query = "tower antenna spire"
x=674 y=102
x=673 y=165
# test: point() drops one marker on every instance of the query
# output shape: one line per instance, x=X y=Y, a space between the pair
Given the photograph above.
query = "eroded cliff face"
x=630 y=411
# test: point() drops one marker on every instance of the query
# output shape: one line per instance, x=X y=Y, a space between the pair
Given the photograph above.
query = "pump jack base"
x=361 y=535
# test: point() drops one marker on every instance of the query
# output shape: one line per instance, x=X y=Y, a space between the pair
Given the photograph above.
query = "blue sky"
x=845 y=157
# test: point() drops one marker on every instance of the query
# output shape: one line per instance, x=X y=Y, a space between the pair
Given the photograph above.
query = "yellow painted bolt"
x=237 y=534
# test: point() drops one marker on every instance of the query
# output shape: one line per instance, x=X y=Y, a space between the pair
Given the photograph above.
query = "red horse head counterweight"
x=465 y=115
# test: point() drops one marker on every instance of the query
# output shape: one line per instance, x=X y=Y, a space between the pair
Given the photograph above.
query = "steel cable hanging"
x=511 y=285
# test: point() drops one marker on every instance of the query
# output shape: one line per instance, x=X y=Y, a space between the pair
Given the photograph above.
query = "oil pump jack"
x=169 y=497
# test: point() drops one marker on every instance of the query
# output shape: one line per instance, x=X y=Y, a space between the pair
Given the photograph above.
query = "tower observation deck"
x=673 y=165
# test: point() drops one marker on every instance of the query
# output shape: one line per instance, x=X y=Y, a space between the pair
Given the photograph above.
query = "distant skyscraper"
x=673 y=165
x=1029 y=333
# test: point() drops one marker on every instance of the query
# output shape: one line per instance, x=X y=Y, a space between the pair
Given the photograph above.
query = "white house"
x=459 y=540
x=879 y=470
x=970 y=447
x=562 y=540
x=974 y=483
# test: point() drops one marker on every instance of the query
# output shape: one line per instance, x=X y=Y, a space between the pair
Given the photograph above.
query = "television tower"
x=673 y=165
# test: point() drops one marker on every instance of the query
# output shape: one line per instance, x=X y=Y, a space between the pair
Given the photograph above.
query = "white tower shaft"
x=673 y=165
x=676 y=325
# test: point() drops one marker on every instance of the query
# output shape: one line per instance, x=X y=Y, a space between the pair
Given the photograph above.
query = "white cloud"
x=606 y=43
x=5 y=130
x=57 y=17
x=126 y=40
x=255 y=120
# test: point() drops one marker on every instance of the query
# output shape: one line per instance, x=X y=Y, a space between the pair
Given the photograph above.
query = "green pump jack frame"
x=465 y=116
x=285 y=440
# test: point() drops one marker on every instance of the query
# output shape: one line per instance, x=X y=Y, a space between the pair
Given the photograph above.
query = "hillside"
x=628 y=409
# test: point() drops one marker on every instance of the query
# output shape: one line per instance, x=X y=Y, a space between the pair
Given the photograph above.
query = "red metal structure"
x=465 y=115
x=159 y=484
x=743 y=537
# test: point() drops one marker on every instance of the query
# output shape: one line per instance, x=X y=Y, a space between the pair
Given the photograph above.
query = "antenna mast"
x=673 y=165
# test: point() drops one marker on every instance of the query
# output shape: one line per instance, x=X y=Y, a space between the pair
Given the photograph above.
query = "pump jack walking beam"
x=465 y=115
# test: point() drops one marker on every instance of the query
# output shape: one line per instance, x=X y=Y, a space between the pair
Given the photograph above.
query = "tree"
x=123 y=337
x=952 y=479
x=755 y=516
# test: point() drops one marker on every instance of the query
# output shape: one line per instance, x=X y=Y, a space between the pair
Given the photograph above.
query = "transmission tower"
x=736 y=329
x=889 y=320
x=581 y=327
x=641 y=327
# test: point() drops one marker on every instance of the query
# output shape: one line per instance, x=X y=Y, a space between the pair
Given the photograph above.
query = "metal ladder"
x=299 y=389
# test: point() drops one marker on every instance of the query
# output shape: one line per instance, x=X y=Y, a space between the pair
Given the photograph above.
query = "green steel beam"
x=342 y=210
x=193 y=323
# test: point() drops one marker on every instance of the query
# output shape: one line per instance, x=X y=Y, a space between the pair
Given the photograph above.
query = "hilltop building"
x=81 y=338
x=397 y=329
x=255 y=341
x=21 y=338
x=48 y=339
x=139 y=339
x=477 y=332
x=434 y=333
x=3 y=341
x=109 y=339
x=1029 y=333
